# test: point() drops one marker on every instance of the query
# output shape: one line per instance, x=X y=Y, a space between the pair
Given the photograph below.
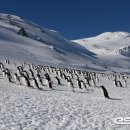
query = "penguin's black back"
x=105 y=92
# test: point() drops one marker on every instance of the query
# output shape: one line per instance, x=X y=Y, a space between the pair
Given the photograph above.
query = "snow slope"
x=23 y=108
x=112 y=48
x=40 y=46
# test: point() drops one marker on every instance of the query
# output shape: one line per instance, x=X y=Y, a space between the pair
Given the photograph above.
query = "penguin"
x=76 y=76
x=6 y=61
x=7 y=77
x=79 y=84
x=47 y=77
x=35 y=83
x=115 y=82
x=25 y=81
x=32 y=73
x=70 y=85
x=39 y=80
x=88 y=81
x=7 y=71
x=16 y=79
x=58 y=80
x=26 y=74
x=125 y=83
x=3 y=74
x=64 y=76
x=18 y=71
x=1 y=66
x=120 y=84
x=93 y=82
x=49 y=84
x=83 y=85
x=105 y=92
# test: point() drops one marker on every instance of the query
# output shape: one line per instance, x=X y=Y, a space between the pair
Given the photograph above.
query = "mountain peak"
x=10 y=16
x=113 y=34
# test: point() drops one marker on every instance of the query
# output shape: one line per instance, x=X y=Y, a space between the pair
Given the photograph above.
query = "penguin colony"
x=37 y=76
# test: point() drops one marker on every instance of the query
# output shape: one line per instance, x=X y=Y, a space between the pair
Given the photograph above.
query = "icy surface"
x=23 y=108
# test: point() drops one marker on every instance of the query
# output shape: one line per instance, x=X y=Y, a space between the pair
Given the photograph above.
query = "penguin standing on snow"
x=70 y=84
x=47 y=77
x=32 y=73
x=39 y=80
x=8 y=77
x=115 y=82
x=58 y=80
x=16 y=79
x=79 y=84
x=120 y=84
x=8 y=72
x=93 y=82
x=1 y=66
x=87 y=80
x=26 y=74
x=105 y=92
x=125 y=83
x=49 y=83
x=19 y=71
x=3 y=74
x=25 y=81
x=35 y=83
x=83 y=85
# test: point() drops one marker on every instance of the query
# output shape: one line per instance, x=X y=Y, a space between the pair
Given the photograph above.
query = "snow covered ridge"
x=22 y=40
x=110 y=47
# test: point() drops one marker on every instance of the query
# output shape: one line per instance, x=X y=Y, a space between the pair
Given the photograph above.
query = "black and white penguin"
x=1 y=66
x=35 y=83
x=105 y=92
x=119 y=83
x=39 y=80
x=58 y=80
x=32 y=73
x=79 y=83
x=3 y=74
x=70 y=84
x=64 y=76
x=7 y=61
x=16 y=79
x=115 y=82
x=125 y=83
x=26 y=74
x=47 y=77
x=87 y=81
x=7 y=77
x=25 y=81
x=7 y=71
x=19 y=73
x=49 y=83
x=93 y=82
x=83 y=85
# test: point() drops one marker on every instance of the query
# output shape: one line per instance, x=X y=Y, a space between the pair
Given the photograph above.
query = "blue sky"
x=74 y=19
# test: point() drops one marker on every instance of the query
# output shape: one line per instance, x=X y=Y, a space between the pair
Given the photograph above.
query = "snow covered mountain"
x=23 y=40
x=111 y=48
